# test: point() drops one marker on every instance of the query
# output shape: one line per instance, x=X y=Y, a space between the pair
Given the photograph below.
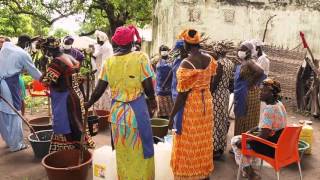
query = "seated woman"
x=273 y=122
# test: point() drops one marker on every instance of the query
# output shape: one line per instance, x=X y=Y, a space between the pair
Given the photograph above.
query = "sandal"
x=248 y=172
x=23 y=147
x=244 y=174
x=254 y=176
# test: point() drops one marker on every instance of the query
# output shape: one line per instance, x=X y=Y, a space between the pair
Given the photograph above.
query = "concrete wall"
x=236 y=22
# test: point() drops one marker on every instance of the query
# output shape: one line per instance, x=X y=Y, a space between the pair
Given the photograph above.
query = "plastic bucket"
x=103 y=119
x=41 y=148
x=41 y=123
x=93 y=124
x=159 y=127
x=63 y=165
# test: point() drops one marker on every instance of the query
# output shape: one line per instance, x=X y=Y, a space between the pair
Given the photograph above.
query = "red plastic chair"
x=39 y=90
x=286 y=150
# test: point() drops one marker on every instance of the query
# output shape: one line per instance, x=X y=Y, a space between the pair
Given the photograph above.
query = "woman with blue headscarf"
x=246 y=91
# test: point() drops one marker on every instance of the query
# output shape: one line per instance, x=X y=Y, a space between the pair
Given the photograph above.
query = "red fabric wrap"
x=125 y=35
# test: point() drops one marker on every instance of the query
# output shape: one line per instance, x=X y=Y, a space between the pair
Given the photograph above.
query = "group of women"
x=198 y=114
x=201 y=88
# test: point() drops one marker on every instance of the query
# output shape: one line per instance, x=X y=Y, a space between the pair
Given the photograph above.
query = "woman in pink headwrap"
x=129 y=75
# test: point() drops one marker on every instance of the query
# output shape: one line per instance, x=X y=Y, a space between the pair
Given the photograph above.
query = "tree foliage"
x=48 y=11
x=119 y=12
x=60 y=33
x=13 y=25
x=105 y=15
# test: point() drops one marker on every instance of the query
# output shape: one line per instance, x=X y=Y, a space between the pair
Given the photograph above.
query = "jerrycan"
x=307 y=134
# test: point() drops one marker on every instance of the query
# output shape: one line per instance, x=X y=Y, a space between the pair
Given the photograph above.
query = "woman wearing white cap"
x=262 y=58
x=101 y=54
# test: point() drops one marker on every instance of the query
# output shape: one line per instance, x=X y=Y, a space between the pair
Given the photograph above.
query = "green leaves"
x=60 y=33
x=14 y=24
x=105 y=15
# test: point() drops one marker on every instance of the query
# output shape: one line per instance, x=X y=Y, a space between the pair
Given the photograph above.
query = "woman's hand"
x=153 y=104
x=87 y=105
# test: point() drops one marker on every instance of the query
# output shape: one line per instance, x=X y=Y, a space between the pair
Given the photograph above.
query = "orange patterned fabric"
x=192 y=156
x=191 y=40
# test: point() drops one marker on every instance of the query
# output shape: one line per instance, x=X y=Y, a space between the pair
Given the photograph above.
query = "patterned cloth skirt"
x=131 y=163
x=251 y=120
x=61 y=142
x=221 y=119
x=192 y=155
x=165 y=105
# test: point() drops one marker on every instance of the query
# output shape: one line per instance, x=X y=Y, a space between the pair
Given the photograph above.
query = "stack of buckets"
x=307 y=134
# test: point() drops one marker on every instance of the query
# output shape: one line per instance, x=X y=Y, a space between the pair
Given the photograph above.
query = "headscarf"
x=101 y=35
x=196 y=39
x=223 y=47
x=257 y=42
x=51 y=43
x=68 y=38
x=249 y=45
x=179 y=44
x=275 y=85
x=125 y=35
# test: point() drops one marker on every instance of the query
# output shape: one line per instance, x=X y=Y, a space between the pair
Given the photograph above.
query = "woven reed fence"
x=284 y=67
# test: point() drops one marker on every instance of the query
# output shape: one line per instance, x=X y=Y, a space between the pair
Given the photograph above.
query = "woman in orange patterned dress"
x=192 y=154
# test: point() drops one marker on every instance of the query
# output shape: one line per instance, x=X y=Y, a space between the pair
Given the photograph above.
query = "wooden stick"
x=82 y=141
x=313 y=65
x=19 y=114
x=84 y=123
x=266 y=28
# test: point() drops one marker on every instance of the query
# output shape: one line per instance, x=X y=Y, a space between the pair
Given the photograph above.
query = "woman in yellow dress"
x=129 y=76
x=192 y=156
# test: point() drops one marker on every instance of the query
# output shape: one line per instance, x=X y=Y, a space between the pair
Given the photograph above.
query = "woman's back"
x=197 y=123
x=194 y=74
x=125 y=75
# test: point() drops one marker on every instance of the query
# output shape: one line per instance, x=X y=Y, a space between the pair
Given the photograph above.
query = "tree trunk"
x=114 y=24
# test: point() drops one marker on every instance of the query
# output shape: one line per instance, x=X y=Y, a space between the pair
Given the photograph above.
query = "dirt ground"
x=23 y=166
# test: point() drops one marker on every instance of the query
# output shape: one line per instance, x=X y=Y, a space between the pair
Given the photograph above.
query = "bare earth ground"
x=23 y=166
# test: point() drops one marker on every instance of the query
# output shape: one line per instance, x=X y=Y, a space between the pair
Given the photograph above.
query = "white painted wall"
x=248 y=23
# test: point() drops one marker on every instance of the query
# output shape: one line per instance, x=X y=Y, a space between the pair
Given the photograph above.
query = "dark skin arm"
x=264 y=133
x=215 y=80
x=198 y=61
x=149 y=91
x=180 y=102
x=257 y=71
x=181 y=99
x=97 y=93
x=102 y=86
